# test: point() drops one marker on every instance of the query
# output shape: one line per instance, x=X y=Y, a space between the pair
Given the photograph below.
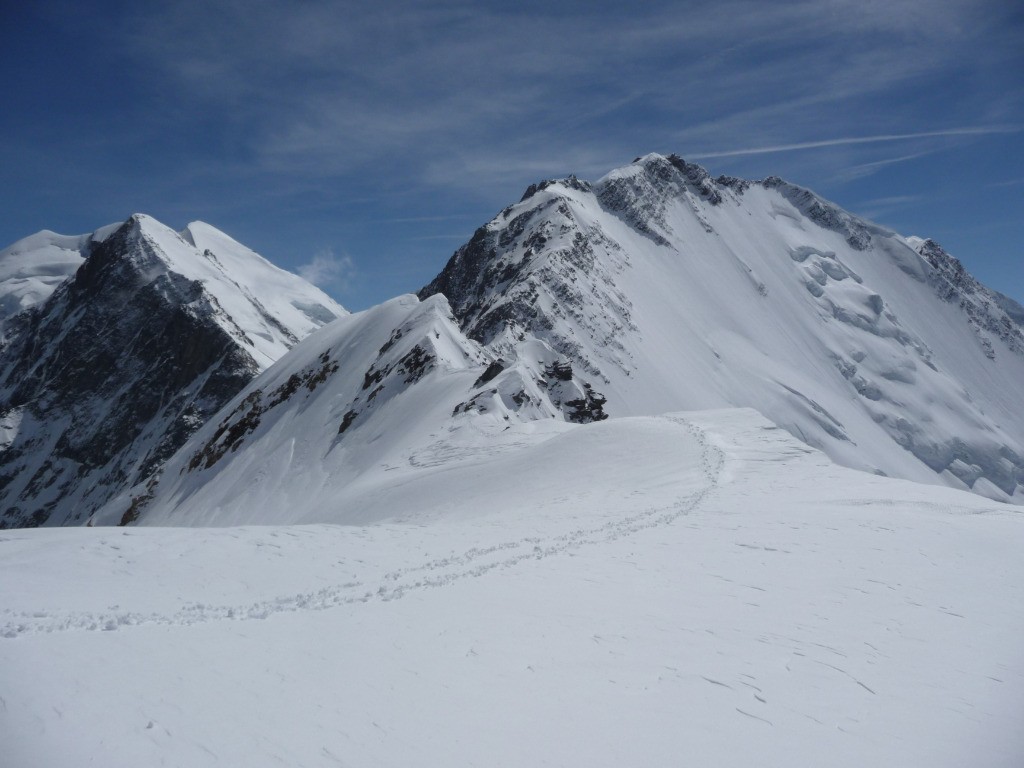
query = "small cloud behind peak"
x=328 y=270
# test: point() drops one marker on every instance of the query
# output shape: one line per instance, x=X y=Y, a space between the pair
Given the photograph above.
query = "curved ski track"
x=441 y=572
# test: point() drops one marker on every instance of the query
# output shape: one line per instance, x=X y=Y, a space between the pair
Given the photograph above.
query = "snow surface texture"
x=668 y=289
x=691 y=589
x=105 y=379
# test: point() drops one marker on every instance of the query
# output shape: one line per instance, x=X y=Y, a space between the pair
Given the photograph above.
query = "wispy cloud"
x=862 y=170
x=328 y=270
x=893 y=200
x=881 y=207
x=440 y=91
x=422 y=219
x=461 y=236
x=849 y=140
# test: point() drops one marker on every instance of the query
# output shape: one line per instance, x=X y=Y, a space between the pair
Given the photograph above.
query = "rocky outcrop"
x=987 y=312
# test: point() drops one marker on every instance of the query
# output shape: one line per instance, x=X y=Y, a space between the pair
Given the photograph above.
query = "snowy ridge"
x=668 y=289
x=652 y=289
x=361 y=405
x=264 y=307
x=104 y=380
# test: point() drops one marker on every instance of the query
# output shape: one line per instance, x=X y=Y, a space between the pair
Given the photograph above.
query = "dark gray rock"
x=106 y=380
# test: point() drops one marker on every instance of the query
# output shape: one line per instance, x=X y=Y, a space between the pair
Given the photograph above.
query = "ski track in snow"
x=395 y=584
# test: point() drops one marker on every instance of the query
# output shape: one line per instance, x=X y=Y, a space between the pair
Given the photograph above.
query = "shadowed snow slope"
x=696 y=588
x=108 y=373
x=668 y=289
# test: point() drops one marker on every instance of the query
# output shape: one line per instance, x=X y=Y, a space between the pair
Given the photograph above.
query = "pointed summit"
x=106 y=378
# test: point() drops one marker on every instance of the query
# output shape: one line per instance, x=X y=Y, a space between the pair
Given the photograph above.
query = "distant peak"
x=199 y=228
x=143 y=223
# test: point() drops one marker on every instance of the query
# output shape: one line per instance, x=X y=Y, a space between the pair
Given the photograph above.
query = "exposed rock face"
x=987 y=311
x=537 y=270
x=104 y=381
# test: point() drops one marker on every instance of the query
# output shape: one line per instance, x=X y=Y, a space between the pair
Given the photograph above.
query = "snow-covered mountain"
x=668 y=289
x=352 y=415
x=653 y=290
x=533 y=528
x=118 y=345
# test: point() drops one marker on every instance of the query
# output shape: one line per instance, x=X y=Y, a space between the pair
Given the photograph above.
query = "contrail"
x=859 y=140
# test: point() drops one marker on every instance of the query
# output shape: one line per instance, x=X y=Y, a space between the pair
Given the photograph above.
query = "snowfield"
x=691 y=589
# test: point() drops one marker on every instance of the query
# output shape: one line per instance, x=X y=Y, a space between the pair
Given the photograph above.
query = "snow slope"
x=32 y=268
x=348 y=415
x=668 y=289
x=690 y=589
x=272 y=307
x=105 y=379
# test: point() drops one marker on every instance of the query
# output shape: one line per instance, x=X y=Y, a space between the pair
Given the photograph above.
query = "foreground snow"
x=693 y=589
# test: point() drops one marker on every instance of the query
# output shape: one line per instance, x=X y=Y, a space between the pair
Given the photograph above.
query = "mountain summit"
x=671 y=289
x=126 y=342
x=653 y=290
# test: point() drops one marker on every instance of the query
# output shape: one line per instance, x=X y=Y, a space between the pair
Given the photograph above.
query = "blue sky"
x=361 y=143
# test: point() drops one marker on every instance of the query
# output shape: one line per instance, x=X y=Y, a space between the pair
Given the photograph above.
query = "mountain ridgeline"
x=674 y=290
x=105 y=378
x=654 y=289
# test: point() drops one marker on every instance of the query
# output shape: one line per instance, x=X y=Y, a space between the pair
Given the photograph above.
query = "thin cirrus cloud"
x=367 y=124
x=863 y=170
x=328 y=89
x=846 y=141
